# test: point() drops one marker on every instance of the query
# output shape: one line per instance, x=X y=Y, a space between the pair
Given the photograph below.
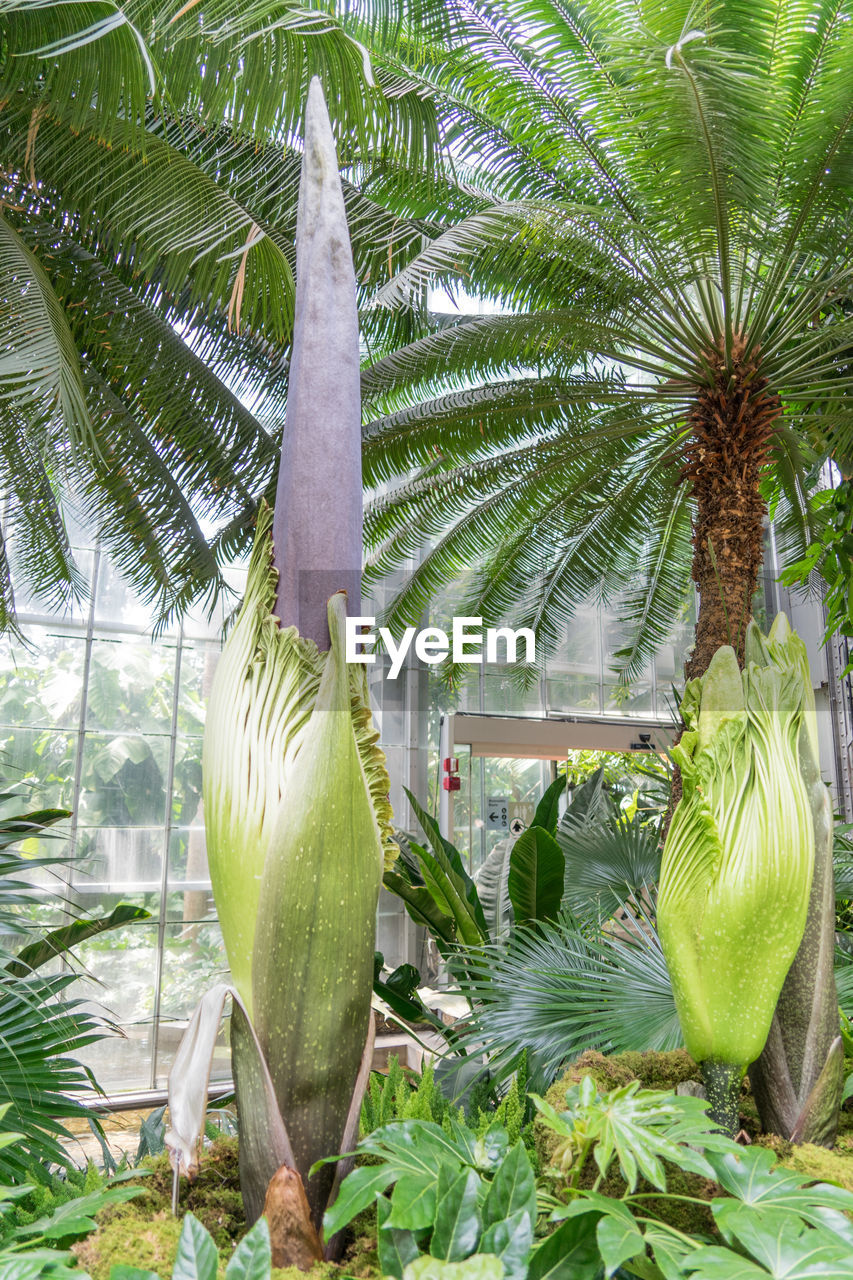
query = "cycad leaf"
x=556 y=992
x=40 y=375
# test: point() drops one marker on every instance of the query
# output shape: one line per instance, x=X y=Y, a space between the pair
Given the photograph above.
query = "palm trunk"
x=731 y=424
x=797 y=1080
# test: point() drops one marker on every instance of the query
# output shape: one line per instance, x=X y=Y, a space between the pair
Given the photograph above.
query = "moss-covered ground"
x=667 y=1071
x=143 y=1233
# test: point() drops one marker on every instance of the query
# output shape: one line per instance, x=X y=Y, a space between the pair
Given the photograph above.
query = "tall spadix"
x=317 y=528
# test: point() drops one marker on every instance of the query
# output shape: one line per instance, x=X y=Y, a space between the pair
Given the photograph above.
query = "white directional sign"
x=497 y=813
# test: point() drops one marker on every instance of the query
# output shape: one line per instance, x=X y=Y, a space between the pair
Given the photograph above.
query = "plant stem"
x=577 y=1170
x=722 y=1084
x=667 y=1226
x=665 y=1195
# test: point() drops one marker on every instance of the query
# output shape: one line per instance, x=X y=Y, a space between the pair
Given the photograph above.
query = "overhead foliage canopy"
x=149 y=161
x=658 y=196
x=655 y=195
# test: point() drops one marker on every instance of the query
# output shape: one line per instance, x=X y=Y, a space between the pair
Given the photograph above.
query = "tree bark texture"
x=731 y=424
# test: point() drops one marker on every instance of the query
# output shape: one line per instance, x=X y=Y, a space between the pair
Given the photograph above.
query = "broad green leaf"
x=593 y=1202
x=787 y=1248
x=571 y=1253
x=358 y=1190
x=404 y=980
x=396 y=1248
x=640 y=1128
x=536 y=873
x=197 y=1257
x=407 y=1006
x=450 y=859
x=414 y=1146
x=548 y=808
x=457 y=1215
x=618 y=1241
x=513 y=1188
x=510 y=1240
x=422 y=907
x=789 y=1253
x=481 y=1267
x=448 y=889
x=491 y=1149
x=670 y=1251
x=8 y=1194
x=556 y=1119
x=58 y=941
x=749 y=1175
x=27 y=1268
x=252 y=1257
x=413 y=1202
x=713 y=1263
x=77 y=1217
x=645 y=1269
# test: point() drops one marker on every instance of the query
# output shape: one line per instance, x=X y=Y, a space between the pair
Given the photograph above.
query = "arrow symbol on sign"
x=493 y=817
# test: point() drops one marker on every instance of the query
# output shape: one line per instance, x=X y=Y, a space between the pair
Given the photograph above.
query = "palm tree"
x=149 y=163
x=658 y=195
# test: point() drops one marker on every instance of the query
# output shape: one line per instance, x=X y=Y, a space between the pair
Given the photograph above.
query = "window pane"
x=188 y=871
x=43 y=758
x=198 y=664
x=119 y=860
x=40 y=682
x=124 y=780
x=131 y=686
x=193 y=961
x=572 y=692
x=186 y=789
x=117 y=603
x=120 y=972
x=633 y=700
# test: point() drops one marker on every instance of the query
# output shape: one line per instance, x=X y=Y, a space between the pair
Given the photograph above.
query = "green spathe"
x=738 y=860
x=263 y=695
x=319 y=889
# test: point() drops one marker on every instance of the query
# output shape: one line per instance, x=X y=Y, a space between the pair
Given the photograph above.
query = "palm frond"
x=40 y=1028
x=607 y=864
x=162 y=211
x=556 y=992
x=40 y=375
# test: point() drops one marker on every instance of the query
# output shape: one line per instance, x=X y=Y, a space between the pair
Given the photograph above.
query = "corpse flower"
x=737 y=863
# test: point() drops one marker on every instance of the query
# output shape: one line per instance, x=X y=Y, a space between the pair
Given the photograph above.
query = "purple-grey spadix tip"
x=317 y=527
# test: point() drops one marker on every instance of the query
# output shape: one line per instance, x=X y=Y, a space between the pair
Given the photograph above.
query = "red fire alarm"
x=450 y=764
x=451 y=783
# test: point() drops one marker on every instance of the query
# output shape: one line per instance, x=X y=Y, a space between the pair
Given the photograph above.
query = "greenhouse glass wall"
x=101 y=718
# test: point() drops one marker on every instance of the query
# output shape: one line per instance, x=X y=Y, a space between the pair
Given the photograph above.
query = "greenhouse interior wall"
x=99 y=717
